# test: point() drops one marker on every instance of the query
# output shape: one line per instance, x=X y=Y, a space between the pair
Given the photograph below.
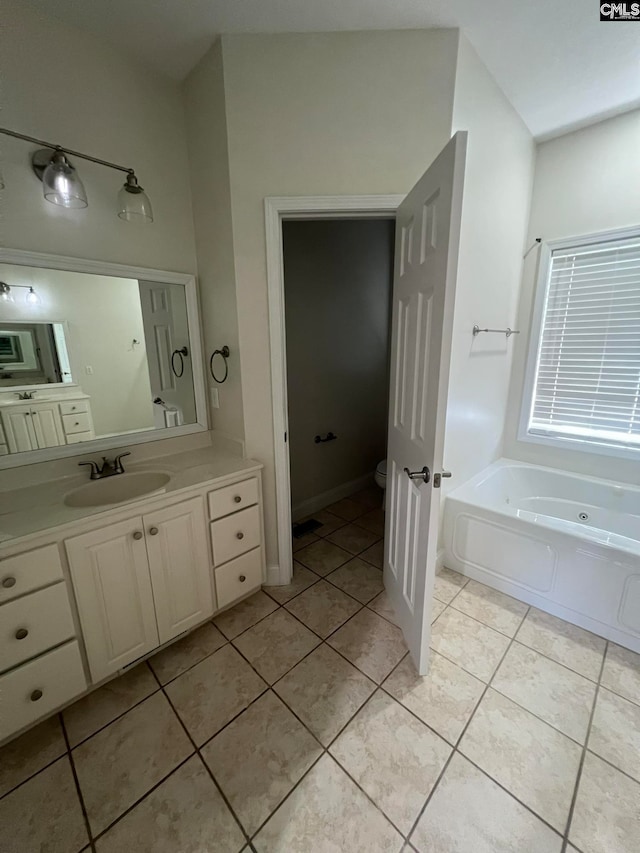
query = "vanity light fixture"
x=32 y=297
x=5 y=293
x=61 y=183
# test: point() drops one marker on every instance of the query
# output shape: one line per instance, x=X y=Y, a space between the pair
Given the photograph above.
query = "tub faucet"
x=107 y=469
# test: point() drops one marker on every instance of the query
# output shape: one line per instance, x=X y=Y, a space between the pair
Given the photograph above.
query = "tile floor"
x=295 y=722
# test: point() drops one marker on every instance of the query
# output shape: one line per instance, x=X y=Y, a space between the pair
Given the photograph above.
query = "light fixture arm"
x=62 y=148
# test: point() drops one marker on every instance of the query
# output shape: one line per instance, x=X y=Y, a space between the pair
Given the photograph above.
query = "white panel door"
x=110 y=573
x=47 y=425
x=181 y=572
x=19 y=429
x=427 y=238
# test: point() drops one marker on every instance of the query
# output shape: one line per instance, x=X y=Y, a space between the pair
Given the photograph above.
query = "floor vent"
x=304 y=527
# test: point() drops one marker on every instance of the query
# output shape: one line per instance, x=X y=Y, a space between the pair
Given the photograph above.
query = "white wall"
x=585 y=182
x=103 y=317
x=338 y=276
x=205 y=110
x=496 y=198
x=320 y=114
x=63 y=85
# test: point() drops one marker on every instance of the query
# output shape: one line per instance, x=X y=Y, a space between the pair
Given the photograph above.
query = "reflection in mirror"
x=95 y=356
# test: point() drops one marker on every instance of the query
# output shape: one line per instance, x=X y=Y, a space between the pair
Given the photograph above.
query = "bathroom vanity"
x=88 y=590
x=44 y=421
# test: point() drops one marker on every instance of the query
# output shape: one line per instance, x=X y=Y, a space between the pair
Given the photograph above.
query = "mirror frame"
x=20 y=257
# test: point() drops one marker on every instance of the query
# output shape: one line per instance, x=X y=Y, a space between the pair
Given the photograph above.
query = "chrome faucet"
x=26 y=395
x=107 y=469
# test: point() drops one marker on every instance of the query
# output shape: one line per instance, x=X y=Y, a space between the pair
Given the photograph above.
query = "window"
x=584 y=370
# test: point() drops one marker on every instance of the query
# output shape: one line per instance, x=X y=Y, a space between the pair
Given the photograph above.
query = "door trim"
x=276 y=210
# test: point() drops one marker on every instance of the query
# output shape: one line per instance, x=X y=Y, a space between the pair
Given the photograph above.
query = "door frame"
x=278 y=209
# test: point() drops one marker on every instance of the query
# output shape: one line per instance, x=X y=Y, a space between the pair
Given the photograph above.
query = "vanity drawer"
x=235 y=534
x=34 y=623
x=76 y=423
x=74 y=407
x=77 y=437
x=239 y=577
x=31 y=570
x=35 y=689
x=232 y=498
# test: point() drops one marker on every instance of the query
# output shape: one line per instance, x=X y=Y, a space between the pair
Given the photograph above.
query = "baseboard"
x=440 y=560
x=319 y=502
x=273 y=577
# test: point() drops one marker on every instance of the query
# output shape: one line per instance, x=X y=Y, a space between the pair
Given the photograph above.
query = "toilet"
x=381 y=474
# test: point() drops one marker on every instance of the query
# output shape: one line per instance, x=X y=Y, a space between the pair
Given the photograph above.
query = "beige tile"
x=29 y=753
x=371 y=643
x=374 y=555
x=210 y=694
x=322 y=557
x=44 y=814
x=383 y=607
x=606 y=818
x=495 y=609
x=448 y=584
x=328 y=522
x=532 y=760
x=348 y=509
x=444 y=698
x=558 y=695
x=303 y=541
x=237 y=619
x=119 y=764
x=259 y=757
x=185 y=813
x=563 y=642
x=359 y=579
x=324 y=691
x=437 y=607
x=103 y=705
x=373 y=521
x=615 y=732
x=469 y=813
x=622 y=672
x=276 y=644
x=394 y=757
x=323 y=608
x=186 y=652
x=372 y=497
x=327 y=813
x=472 y=645
x=302 y=579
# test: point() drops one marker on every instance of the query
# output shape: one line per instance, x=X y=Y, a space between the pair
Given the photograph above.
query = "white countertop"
x=7 y=400
x=38 y=508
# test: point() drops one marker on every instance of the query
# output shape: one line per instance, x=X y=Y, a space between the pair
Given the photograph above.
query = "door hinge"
x=285 y=438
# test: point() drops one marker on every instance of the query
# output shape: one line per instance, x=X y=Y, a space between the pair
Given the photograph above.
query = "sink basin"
x=117 y=489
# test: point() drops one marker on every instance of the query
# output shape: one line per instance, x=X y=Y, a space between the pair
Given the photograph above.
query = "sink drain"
x=583 y=516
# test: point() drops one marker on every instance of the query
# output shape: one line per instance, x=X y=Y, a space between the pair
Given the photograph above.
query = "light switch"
x=215 y=399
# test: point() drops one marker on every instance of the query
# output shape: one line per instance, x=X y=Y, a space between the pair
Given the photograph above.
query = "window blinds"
x=587 y=383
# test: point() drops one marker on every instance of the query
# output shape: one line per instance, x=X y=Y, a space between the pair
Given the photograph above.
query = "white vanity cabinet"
x=37 y=424
x=140 y=583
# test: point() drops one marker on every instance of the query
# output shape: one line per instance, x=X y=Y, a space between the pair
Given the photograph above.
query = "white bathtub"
x=565 y=543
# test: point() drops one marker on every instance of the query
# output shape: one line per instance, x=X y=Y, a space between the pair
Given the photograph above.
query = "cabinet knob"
x=137 y=535
x=242 y=578
x=73 y=408
x=153 y=531
x=8 y=582
x=77 y=423
x=21 y=633
x=237 y=499
x=239 y=535
x=37 y=694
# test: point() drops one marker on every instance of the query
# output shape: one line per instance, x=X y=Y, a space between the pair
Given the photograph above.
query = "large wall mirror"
x=92 y=353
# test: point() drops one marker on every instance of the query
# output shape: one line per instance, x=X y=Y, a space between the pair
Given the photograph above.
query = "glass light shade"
x=61 y=184
x=5 y=293
x=32 y=297
x=133 y=202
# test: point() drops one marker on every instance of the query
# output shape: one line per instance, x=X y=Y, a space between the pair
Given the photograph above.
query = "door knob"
x=424 y=475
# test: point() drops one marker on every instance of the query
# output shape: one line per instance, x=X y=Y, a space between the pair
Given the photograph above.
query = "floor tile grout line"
x=557 y=662
x=614 y=766
x=85 y=814
x=37 y=772
x=576 y=788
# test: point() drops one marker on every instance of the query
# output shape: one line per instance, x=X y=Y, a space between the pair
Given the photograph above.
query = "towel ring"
x=183 y=351
x=224 y=352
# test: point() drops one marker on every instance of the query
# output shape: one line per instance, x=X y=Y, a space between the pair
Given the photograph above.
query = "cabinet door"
x=47 y=425
x=19 y=429
x=110 y=573
x=180 y=567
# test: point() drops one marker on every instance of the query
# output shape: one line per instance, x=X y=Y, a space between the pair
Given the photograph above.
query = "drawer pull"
x=237 y=499
x=77 y=423
x=8 y=582
x=137 y=535
x=242 y=578
x=239 y=535
x=37 y=694
x=21 y=633
x=73 y=408
x=153 y=531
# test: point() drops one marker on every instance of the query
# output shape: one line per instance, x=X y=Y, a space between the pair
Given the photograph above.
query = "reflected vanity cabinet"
x=110 y=591
x=36 y=424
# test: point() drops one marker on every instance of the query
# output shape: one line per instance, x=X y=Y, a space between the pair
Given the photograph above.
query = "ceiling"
x=558 y=64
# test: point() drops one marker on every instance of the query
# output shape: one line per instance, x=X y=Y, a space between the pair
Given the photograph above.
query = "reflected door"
x=427 y=238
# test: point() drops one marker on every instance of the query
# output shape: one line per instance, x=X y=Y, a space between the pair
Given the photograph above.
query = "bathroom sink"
x=117 y=489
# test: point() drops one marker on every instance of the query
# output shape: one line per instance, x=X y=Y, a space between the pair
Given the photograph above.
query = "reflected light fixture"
x=5 y=293
x=32 y=297
x=61 y=184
